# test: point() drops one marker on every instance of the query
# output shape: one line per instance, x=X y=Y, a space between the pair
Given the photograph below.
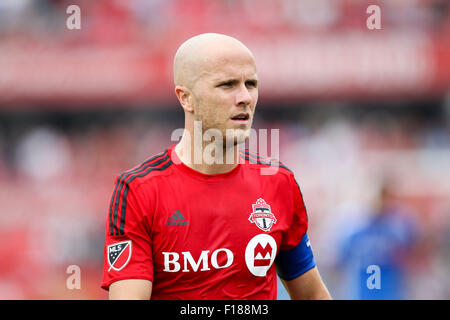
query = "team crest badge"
x=118 y=255
x=262 y=216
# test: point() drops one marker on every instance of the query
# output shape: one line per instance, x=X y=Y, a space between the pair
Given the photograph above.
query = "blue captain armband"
x=294 y=262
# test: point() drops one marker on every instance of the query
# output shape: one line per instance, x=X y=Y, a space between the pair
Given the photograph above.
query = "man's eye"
x=226 y=84
x=252 y=84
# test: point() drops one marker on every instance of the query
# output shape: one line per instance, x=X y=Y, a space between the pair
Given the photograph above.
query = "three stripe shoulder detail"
x=118 y=205
x=257 y=159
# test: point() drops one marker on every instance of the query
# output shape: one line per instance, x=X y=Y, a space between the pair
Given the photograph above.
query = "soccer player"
x=181 y=226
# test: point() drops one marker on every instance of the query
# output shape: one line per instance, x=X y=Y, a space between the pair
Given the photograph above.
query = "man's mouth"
x=241 y=117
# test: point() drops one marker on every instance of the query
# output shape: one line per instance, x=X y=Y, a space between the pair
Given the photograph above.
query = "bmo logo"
x=260 y=254
x=219 y=259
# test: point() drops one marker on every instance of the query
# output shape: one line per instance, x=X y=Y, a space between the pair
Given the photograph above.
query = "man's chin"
x=236 y=137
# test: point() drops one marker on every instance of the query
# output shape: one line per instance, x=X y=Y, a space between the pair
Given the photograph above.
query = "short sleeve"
x=127 y=250
x=298 y=217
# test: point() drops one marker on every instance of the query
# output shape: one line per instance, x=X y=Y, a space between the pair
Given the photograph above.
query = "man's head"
x=216 y=83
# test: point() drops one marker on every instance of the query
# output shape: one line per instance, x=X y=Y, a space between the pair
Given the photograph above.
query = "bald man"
x=207 y=68
x=201 y=220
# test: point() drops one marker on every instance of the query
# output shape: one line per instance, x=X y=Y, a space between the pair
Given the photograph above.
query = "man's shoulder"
x=266 y=165
x=154 y=166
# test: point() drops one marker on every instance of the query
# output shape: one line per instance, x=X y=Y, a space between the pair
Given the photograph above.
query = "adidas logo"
x=177 y=219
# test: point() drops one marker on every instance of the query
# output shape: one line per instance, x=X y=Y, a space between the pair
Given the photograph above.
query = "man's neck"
x=203 y=158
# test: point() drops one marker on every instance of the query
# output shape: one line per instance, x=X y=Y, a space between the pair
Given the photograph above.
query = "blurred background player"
x=386 y=240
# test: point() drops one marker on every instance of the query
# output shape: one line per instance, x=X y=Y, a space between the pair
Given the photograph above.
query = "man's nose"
x=243 y=96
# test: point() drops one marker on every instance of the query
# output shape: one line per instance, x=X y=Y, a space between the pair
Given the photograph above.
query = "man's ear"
x=185 y=97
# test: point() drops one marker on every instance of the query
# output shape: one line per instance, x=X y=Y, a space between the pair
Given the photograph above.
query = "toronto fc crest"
x=262 y=216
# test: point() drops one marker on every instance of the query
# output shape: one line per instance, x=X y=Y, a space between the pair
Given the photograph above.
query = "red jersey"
x=199 y=236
